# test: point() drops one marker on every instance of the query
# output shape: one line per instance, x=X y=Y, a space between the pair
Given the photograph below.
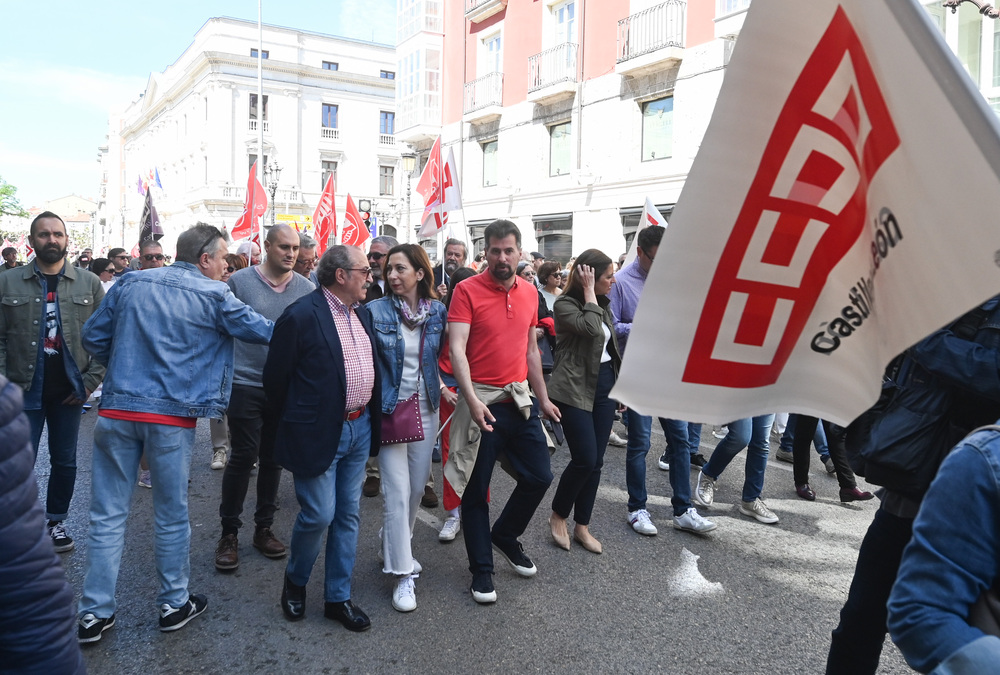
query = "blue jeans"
x=679 y=443
x=788 y=438
x=118 y=445
x=523 y=441
x=330 y=503
x=751 y=434
x=64 y=428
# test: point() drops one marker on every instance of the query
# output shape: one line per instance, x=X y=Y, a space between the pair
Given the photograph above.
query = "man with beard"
x=267 y=288
x=44 y=307
x=491 y=327
x=455 y=255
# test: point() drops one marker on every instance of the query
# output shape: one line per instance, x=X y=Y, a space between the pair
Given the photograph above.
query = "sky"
x=64 y=65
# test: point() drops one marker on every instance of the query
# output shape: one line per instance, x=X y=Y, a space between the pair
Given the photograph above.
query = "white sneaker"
x=450 y=528
x=616 y=440
x=704 y=492
x=417 y=567
x=758 y=509
x=720 y=432
x=641 y=522
x=691 y=521
x=219 y=459
x=404 y=598
x=144 y=479
x=663 y=462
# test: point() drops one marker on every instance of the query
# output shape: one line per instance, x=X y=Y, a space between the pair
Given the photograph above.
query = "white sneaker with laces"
x=704 y=492
x=641 y=522
x=450 y=528
x=758 y=509
x=219 y=459
x=692 y=521
x=616 y=440
x=404 y=598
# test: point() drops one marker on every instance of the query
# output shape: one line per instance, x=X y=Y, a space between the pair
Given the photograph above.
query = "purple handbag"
x=403 y=424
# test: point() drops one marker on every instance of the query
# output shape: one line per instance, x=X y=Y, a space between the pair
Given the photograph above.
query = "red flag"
x=253 y=207
x=325 y=216
x=431 y=184
x=355 y=233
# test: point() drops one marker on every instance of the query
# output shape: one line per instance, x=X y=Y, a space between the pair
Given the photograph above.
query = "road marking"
x=687 y=581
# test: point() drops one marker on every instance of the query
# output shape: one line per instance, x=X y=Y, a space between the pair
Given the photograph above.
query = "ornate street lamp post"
x=985 y=8
x=272 y=172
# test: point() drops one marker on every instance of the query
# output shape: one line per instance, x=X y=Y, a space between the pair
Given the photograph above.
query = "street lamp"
x=409 y=163
x=272 y=172
x=985 y=8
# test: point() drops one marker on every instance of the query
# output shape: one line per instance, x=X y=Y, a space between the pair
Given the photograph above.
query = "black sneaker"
x=514 y=554
x=698 y=460
x=89 y=628
x=172 y=618
x=482 y=588
x=663 y=462
x=60 y=539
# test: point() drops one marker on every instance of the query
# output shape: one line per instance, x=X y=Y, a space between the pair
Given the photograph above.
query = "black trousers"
x=252 y=432
x=805 y=429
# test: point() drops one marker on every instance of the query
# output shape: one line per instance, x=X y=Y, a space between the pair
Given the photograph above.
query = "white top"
x=106 y=285
x=411 y=363
x=605 y=356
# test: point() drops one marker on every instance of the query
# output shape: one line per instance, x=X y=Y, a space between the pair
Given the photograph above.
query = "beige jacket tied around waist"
x=465 y=433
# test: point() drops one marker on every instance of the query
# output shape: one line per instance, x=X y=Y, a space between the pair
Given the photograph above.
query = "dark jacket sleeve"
x=37 y=613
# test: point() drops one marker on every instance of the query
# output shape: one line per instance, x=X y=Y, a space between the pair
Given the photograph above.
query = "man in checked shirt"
x=321 y=380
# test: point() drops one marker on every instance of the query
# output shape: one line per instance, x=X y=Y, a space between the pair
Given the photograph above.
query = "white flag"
x=842 y=206
x=650 y=216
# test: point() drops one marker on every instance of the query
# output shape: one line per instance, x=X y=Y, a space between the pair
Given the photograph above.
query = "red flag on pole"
x=439 y=186
x=253 y=207
x=355 y=233
x=325 y=216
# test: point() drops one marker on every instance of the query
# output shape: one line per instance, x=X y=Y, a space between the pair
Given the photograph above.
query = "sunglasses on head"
x=376 y=256
x=149 y=257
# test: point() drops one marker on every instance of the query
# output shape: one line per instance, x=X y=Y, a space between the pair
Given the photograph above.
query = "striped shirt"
x=357 y=347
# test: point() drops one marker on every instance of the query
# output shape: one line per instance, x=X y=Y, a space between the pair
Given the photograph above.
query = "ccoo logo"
x=805 y=210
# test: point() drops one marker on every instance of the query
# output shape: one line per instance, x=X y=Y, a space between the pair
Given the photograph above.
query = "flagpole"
x=260 y=106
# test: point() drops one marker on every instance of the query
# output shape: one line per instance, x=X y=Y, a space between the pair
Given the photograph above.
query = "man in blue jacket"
x=158 y=383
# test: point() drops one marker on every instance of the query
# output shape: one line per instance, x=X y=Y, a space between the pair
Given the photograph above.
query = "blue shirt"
x=624 y=298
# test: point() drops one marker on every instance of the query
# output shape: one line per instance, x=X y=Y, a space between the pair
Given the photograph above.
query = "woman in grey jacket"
x=585 y=369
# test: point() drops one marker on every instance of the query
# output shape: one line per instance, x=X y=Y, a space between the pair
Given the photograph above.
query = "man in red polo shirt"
x=494 y=354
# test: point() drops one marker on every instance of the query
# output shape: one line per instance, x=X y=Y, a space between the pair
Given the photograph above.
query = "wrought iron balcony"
x=485 y=92
x=553 y=66
x=659 y=27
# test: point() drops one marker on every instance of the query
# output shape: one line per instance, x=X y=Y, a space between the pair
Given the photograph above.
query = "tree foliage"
x=9 y=203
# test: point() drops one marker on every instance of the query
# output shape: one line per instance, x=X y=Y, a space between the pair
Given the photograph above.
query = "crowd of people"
x=353 y=371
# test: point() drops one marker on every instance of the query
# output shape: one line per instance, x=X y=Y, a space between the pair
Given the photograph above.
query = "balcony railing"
x=484 y=92
x=553 y=66
x=727 y=7
x=330 y=133
x=252 y=126
x=655 y=28
x=473 y=5
x=386 y=139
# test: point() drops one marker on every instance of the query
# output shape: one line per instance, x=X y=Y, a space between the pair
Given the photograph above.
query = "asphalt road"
x=747 y=598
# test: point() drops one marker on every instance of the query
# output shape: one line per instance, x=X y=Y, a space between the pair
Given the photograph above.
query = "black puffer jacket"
x=37 y=616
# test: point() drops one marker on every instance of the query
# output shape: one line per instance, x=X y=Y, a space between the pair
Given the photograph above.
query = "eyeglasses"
x=123 y=256
x=230 y=269
x=149 y=257
x=366 y=270
x=376 y=256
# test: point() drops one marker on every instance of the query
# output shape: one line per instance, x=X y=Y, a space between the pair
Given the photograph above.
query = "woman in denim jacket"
x=585 y=369
x=408 y=313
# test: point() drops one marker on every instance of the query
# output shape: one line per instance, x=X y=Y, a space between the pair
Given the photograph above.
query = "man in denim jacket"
x=158 y=383
x=946 y=568
x=961 y=384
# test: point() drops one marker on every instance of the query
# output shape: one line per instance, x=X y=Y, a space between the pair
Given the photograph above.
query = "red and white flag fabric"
x=354 y=232
x=253 y=207
x=816 y=236
x=438 y=185
x=6 y=243
x=650 y=216
x=325 y=216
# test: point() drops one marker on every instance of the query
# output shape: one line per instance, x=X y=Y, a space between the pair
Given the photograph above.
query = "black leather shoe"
x=348 y=614
x=293 y=600
x=855 y=494
x=805 y=492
